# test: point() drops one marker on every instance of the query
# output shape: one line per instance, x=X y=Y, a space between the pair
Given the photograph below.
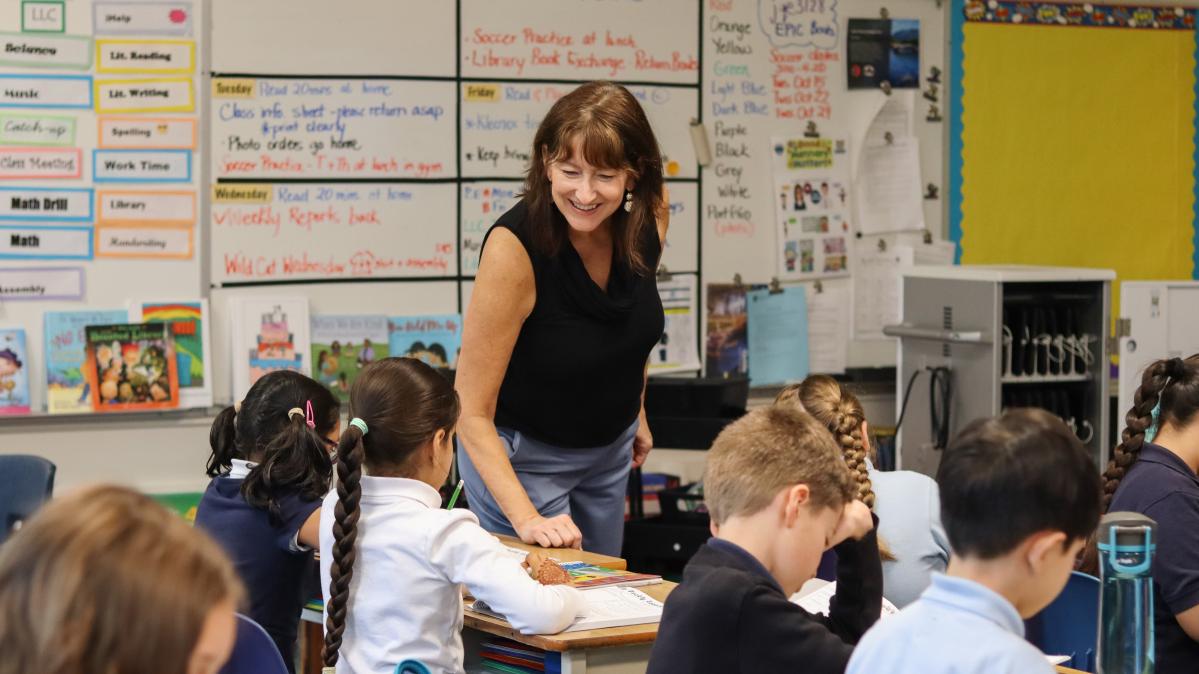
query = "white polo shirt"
x=412 y=559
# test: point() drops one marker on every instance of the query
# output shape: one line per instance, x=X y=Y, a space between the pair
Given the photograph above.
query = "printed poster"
x=676 y=350
x=812 y=207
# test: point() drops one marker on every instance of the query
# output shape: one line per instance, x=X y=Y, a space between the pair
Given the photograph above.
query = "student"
x=106 y=581
x=910 y=535
x=387 y=545
x=1019 y=497
x=1153 y=472
x=270 y=468
x=779 y=495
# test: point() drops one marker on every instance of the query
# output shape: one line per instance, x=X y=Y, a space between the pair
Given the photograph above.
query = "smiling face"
x=586 y=195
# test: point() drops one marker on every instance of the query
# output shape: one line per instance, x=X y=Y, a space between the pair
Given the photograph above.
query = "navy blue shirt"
x=266 y=556
x=1162 y=486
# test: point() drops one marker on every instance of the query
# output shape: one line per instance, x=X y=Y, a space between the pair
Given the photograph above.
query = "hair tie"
x=308 y=418
x=295 y=412
x=359 y=424
x=1156 y=414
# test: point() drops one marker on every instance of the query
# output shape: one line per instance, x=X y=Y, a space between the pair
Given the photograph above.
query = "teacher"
x=563 y=315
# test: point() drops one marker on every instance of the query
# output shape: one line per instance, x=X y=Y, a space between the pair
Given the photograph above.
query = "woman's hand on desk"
x=558 y=531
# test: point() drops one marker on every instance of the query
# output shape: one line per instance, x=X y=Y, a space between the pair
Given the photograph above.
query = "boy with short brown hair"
x=779 y=496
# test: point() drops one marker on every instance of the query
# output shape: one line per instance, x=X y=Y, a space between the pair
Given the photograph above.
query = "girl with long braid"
x=1155 y=471
x=393 y=563
x=911 y=540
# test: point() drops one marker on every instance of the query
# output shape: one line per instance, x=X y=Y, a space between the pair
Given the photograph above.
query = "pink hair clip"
x=308 y=418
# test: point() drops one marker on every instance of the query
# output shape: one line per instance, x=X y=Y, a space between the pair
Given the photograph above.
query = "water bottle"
x=1126 y=545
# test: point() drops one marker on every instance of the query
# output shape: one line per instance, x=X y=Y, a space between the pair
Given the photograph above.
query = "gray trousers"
x=587 y=484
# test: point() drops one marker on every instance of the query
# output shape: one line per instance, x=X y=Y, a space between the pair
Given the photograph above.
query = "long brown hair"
x=840 y=411
x=1172 y=382
x=614 y=133
x=106 y=580
x=404 y=403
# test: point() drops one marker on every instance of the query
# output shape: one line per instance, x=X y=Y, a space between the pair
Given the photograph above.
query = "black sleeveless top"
x=577 y=368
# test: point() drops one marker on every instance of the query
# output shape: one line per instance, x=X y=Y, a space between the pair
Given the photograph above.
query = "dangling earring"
x=628 y=201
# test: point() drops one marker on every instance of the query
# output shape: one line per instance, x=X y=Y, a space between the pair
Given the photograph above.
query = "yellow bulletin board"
x=1073 y=137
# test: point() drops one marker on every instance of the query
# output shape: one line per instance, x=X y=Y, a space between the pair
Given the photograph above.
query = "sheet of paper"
x=877 y=291
x=894 y=117
x=889 y=195
x=828 y=328
x=616 y=606
x=812 y=206
x=778 y=336
x=676 y=351
x=817 y=599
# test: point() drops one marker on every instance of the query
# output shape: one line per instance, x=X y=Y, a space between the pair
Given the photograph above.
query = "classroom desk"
x=1066 y=670
x=614 y=650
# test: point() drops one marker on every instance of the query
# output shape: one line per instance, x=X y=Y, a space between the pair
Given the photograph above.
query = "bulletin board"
x=1073 y=139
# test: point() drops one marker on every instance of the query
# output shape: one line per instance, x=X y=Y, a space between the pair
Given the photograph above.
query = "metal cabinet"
x=975 y=340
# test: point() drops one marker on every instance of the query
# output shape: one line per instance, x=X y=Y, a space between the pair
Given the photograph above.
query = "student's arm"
x=775 y=635
x=503 y=298
x=859 y=599
x=469 y=555
x=1189 y=620
x=309 y=535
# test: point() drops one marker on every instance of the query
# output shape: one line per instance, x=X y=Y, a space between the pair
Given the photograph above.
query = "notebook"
x=603 y=607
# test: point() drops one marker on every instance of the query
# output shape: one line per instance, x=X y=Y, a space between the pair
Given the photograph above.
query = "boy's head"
x=781 y=464
x=1020 y=486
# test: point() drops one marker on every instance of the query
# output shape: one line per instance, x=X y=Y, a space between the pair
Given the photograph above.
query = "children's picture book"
x=14 y=372
x=586 y=576
x=435 y=339
x=269 y=333
x=188 y=325
x=343 y=345
x=131 y=366
x=67 y=390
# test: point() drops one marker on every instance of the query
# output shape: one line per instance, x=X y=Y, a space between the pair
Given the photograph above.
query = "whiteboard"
x=757 y=86
x=326 y=231
x=623 y=40
x=332 y=128
x=317 y=37
x=500 y=118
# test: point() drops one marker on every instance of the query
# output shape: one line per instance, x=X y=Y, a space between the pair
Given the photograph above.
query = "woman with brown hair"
x=106 y=581
x=564 y=313
x=1155 y=471
x=912 y=541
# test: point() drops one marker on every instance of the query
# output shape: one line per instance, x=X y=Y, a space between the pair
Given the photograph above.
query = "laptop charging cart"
x=978 y=339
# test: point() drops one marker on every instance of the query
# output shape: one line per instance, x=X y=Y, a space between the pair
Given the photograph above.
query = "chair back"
x=26 y=482
x=1069 y=625
x=254 y=652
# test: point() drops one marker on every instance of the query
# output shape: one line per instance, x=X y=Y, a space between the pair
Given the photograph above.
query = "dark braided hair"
x=1174 y=383
x=289 y=454
x=404 y=403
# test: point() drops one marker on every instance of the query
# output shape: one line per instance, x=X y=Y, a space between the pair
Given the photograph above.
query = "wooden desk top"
x=568 y=641
x=569 y=554
x=1067 y=670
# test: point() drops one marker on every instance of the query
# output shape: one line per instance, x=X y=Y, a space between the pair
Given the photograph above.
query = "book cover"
x=187 y=321
x=434 y=339
x=67 y=390
x=343 y=345
x=14 y=372
x=586 y=576
x=131 y=366
x=269 y=333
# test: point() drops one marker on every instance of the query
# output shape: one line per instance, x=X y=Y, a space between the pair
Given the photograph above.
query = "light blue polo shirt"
x=956 y=626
